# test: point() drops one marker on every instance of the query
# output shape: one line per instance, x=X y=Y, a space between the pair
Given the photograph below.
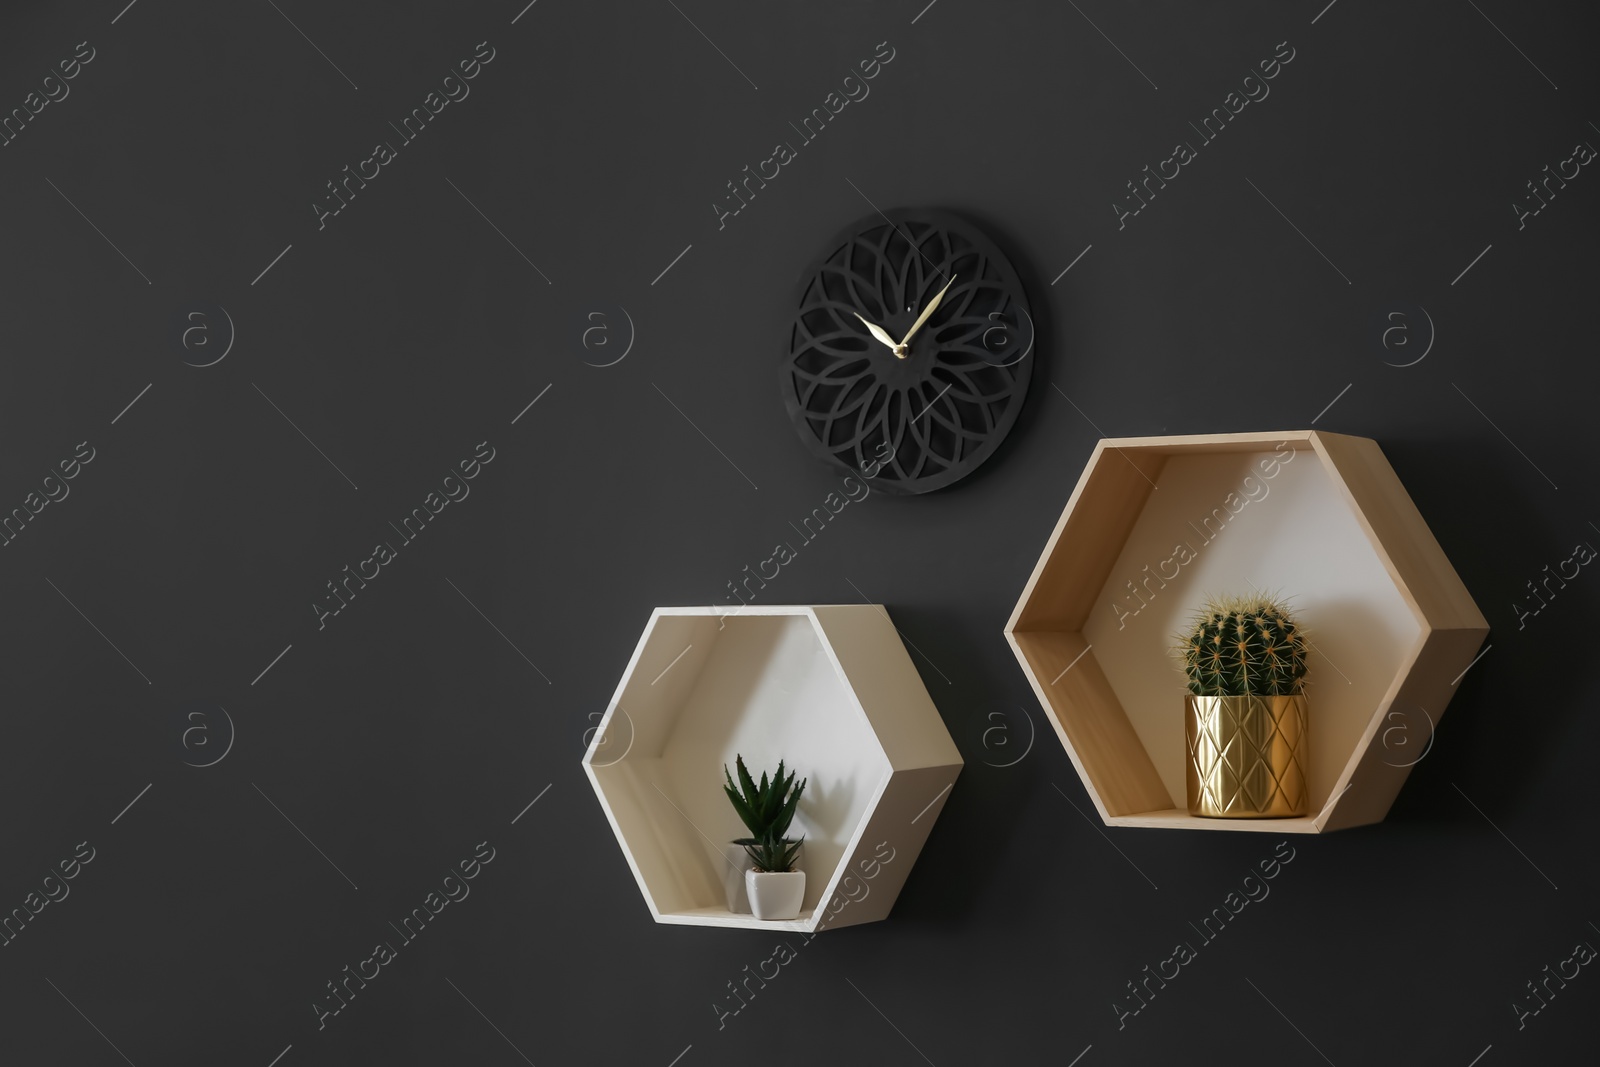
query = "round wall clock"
x=910 y=354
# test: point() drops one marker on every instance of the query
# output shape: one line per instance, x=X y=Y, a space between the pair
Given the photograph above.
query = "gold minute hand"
x=927 y=312
x=879 y=332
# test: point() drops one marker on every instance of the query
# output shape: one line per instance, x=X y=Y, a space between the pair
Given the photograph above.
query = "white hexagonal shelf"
x=828 y=689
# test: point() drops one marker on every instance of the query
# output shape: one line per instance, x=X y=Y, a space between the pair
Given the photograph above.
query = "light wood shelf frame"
x=828 y=688
x=1403 y=603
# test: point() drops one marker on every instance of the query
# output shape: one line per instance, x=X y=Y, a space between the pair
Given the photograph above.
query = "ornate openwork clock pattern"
x=942 y=409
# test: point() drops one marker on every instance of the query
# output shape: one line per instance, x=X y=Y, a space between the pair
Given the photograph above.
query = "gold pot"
x=1247 y=756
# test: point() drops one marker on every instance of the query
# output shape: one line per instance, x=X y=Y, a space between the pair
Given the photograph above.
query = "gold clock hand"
x=927 y=312
x=880 y=333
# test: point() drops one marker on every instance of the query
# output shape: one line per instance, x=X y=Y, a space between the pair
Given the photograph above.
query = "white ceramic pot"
x=775 y=894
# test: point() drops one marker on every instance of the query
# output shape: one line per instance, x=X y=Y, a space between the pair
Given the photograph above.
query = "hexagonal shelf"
x=1157 y=523
x=828 y=689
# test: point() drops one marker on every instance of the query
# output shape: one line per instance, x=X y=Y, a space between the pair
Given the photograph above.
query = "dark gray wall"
x=379 y=348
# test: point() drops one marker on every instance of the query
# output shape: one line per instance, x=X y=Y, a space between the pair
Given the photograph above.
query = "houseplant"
x=775 y=888
x=1245 y=722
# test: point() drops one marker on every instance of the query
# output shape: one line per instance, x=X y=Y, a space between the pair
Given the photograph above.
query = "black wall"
x=161 y=607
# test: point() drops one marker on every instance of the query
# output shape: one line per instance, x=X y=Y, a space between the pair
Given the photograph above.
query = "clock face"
x=921 y=415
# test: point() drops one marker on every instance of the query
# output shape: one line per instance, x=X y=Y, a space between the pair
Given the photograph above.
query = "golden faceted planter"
x=1157 y=523
x=1247 y=756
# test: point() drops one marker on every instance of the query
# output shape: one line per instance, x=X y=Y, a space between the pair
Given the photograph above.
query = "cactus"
x=1240 y=646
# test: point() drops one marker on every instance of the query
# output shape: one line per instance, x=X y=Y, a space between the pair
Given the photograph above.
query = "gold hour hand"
x=927 y=312
x=881 y=334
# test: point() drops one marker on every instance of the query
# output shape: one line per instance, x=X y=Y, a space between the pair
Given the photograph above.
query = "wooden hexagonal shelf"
x=1158 y=523
x=828 y=689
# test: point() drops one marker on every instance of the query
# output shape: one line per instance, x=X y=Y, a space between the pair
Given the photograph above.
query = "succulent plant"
x=1239 y=646
x=771 y=855
x=766 y=809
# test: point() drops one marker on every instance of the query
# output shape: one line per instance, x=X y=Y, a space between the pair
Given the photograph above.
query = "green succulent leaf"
x=771 y=855
x=766 y=808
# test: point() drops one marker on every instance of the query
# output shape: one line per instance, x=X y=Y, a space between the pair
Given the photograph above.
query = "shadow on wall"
x=1511 y=718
